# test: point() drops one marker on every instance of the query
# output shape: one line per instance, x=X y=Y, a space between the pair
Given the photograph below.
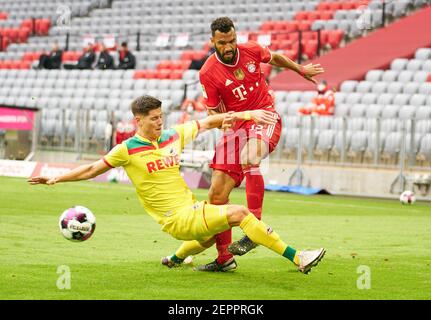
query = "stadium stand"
x=84 y=102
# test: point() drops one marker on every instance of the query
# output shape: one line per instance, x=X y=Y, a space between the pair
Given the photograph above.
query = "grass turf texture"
x=122 y=259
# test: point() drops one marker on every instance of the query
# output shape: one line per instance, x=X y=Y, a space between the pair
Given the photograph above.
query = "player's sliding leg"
x=221 y=186
x=251 y=156
x=262 y=234
x=187 y=248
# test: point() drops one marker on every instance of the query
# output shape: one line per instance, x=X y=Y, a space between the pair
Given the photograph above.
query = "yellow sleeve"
x=117 y=157
x=187 y=132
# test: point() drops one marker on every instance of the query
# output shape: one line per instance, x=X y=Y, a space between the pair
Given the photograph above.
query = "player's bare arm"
x=84 y=172
x=308 y=71
x=225 y=120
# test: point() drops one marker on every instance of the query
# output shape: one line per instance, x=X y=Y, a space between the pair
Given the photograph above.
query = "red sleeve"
x=263 y=52
x=209 y=92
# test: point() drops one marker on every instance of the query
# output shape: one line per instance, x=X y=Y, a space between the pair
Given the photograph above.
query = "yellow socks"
x=262 y=234
x=190 y=248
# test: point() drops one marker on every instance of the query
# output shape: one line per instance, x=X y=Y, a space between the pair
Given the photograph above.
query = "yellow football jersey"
x=154 y=169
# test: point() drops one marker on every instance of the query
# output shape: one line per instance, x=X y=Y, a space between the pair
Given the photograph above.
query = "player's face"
x=150 y=125
x=225 y=45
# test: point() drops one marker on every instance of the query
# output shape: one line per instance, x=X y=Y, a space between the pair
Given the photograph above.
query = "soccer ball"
x=77 y=223
x=407 y=197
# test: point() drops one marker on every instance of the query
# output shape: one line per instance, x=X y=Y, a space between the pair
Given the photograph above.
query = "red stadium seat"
x=309 y=48
x=164 y=64
x=3 y=15
x=335 y=37
x=275 y=45
x=267 y=26
x=42 y=26
x=23 y=34
x=185 y=64
x=324 y=36
x=429 y=78
x=28 y=23
x=292 y=54
x=304 y=26
x=5 y=43
x=162 y=73
x=333 y=6
x=323 y=6
x=199 y=55
x=301 y=15
x=139 y=74
x=347 y=5
x=286 y=44
x=12 y=34
x=187 y=55
x=28 y=56
x=281 y=36
x=309 y=35
x=313 y=15
x=326 y=15
x=176 y=74
x=293 y=36
x=24 y=64
x=67 y=56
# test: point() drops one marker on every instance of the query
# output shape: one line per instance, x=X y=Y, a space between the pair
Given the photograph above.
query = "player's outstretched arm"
x=84 y=172
x=308 y=71
x=225 y=120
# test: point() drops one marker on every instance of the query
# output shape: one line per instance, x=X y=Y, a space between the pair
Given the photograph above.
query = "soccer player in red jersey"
x=232 y=81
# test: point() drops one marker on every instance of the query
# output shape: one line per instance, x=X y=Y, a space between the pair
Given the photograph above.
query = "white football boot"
x=309 y=259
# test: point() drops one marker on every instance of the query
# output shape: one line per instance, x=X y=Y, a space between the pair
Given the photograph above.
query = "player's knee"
x=217 y=196
x=237 y=214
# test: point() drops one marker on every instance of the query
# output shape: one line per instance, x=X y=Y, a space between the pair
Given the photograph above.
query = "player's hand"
x=311 y=70
x=264 y=117
x=42 y=180
x=228 y=121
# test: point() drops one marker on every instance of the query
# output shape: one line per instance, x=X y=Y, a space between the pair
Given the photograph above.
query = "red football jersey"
x=240 y=86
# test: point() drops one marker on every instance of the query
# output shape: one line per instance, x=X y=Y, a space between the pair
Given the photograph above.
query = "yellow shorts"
x=199 y=222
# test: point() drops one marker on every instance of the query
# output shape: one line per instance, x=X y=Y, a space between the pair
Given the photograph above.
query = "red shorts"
x=228 y=150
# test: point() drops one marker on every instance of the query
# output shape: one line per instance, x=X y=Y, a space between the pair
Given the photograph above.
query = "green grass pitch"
x=122 y=259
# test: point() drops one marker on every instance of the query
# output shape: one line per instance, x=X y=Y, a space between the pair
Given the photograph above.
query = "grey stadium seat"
x=395 y=87
x=348 y=86
x=357 y=110
x=411 y=88
x=399 y=64
x=373 y=111
x=341 y=110
x=423 y=113
x=374 y=75
x=418 y=100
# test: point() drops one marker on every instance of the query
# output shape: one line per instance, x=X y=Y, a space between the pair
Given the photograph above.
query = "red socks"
x=254 y=189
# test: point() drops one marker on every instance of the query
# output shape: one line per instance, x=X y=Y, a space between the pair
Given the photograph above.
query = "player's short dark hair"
x=222 y=24
x=124 y=44
x=144 y=104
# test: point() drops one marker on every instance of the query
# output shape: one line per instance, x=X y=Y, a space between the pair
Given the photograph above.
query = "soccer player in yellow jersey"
x=151 y=160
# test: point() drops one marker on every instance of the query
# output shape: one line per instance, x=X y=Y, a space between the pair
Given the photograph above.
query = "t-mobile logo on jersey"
x=240 y=92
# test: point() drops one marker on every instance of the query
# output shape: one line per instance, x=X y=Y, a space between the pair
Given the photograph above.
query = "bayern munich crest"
x=251 y=67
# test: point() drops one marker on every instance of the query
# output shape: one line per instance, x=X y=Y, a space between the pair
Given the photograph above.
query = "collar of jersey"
x=145 y=139
x=166 y=134
x=229 y=65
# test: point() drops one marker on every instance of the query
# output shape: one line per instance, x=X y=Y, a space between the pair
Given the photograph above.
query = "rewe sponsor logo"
x=164 y=163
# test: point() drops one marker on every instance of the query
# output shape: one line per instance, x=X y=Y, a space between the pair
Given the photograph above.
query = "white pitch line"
x=341 y=205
